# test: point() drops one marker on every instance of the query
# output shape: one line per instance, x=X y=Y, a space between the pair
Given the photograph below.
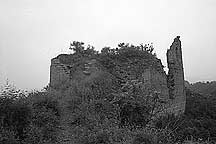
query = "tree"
x=138 y=106
x=90 y=51
x=77 y=47
x=15 y=114
x=105 y=51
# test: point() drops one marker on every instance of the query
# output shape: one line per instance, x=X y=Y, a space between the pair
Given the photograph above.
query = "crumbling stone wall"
x=156 y=80
x=171 y=87
x=59 y=73
x=175 y=77
x=64 y=71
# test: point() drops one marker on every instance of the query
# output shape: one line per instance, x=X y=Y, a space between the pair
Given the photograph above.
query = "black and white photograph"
x=107 y=71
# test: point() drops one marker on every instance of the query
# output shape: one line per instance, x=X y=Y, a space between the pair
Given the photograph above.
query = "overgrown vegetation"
x=31 y=118
x=205 y=88
x=111 y=109
x=198 y=122
x=34 y=119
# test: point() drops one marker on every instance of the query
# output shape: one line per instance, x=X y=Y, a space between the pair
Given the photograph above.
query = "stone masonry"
x=171 y=85
x=59 y=73
x=175 y=77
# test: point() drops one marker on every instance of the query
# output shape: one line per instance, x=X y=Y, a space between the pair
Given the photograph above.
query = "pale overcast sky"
x=34 y=31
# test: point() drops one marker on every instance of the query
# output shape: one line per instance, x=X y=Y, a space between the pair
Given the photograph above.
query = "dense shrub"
x=144 y=138
x=8 y=136
x=15 y=114
x=201 y=111
x=45 y=118
x=27 y=118
x=113 y=116
x=198 y=122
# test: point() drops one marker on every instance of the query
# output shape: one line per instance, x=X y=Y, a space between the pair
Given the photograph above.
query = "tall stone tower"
x=175 y=77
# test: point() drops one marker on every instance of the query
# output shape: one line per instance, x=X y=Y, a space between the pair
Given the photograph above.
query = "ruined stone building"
x=72 y=75
x=64 y=73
